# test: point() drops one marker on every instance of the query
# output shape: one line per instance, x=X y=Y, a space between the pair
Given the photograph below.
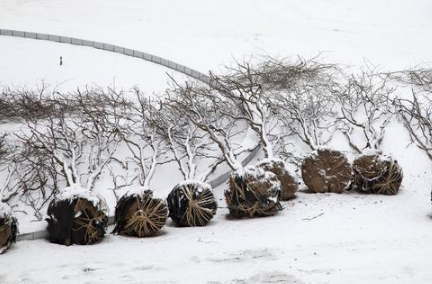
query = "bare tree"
x=8 y=166
x=417 y=77
x=416 y=115
x=253 y=86
x=143 y=140
x=66 y=150
x=244 y=87
x=307 y=111
x=285 y=73
x=365 y=108
x=207 y=110
x=189 y=145
x=19 y=104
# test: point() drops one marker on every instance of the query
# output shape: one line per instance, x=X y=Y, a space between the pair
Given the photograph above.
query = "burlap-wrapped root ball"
x=191 y=203
x=326 y=170
x=288 y=182
x=77 y=218
x=8 y=227
x=140 y=215
x=377 y=174
x=253 y=192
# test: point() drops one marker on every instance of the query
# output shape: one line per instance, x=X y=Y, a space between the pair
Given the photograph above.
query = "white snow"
x=260 y=175
x=74 y=191
x=82 y=67
x=5 y=210
x=318 y=238
x=200 y=185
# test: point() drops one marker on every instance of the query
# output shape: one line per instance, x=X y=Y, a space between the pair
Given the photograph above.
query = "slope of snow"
x=318 y=238
x=205 y=34
x=30 y=63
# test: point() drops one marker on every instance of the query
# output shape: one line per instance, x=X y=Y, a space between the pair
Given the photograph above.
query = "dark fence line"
x=111 y=48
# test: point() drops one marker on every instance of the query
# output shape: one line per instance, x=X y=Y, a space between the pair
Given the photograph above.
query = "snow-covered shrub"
x=288 y=182
x=253 y=192
x=138 y=214
x=191 y=203
x=77 y=216
x=375 y=173
x=326 y=170
x=8 y=227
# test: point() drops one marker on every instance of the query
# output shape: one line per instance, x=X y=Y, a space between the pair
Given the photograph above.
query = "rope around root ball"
x=147 y=219
x=250 y=208
x=197 y=213
x=86 y=221
x=91 y=234
x=390 y=185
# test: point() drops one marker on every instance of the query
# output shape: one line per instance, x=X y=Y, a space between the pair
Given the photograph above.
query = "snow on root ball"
x=326 y=170
x=253 y=192
x=8 y=227
x=289 y=184
x=140 y=215
x=77 y=218
x=191 y=203
x=377 y=174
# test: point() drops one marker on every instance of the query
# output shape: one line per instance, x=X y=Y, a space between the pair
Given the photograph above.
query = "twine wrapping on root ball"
x=288 y=182
x=253 y=192
x=378 y=174
x=191 y=203
x=140 y=215
x=8 y=231
x=76 y=221
x=326 y=171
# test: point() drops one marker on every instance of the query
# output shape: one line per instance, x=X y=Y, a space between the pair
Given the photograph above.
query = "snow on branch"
x=8 y=166
x=188 y=144
x=142 y=137
x=245 y=87
x=365 y=109
x=66 y=149
x=207 y=110
x=416 y=77
x=307 y=109
x=416 y=115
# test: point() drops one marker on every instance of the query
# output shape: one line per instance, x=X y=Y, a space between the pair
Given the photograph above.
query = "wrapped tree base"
x=191 y=203
x=326 y=171
x=8 y=227
x=377 y=174
x=140 y=215
x=289 y=184
x=253 y=193
x=77 y=220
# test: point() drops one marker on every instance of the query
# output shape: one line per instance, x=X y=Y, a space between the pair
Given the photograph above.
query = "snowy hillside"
x=317 y=238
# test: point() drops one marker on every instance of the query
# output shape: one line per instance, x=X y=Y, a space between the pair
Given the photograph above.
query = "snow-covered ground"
x=205 y=34
x=30 y=64
x=318 y=238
